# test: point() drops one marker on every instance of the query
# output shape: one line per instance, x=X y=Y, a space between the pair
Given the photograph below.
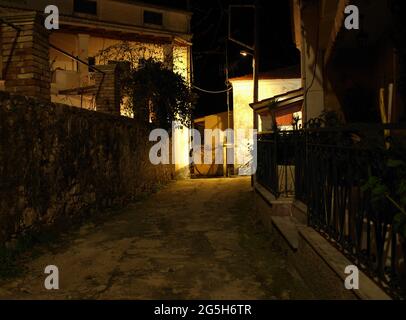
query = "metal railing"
x=276 y=162
x=333 y=170
x=267 y=170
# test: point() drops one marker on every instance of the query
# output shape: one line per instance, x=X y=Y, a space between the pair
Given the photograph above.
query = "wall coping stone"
x=337 y=262
x=293 y=232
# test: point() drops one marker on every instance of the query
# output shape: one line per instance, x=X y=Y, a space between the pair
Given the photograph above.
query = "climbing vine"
x=390 y=185
x=158 y=95
x=152 y=92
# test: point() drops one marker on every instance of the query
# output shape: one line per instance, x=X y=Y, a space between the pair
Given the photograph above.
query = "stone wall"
x=59 y=163
x=108 y=89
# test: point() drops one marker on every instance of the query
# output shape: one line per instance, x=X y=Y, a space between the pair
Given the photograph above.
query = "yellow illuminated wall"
x=68 y=74
x=243 y=114
x=219 y=121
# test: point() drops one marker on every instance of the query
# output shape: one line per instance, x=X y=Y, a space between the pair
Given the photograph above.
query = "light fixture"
x=245 y=53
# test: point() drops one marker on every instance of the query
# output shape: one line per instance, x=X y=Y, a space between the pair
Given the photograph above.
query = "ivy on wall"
x=152 y=85
x=158 y=95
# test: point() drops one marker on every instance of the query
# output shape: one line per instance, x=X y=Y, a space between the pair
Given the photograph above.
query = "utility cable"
x=212 y=92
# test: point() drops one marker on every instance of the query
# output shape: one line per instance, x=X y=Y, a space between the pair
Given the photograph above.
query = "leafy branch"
x=152 y=92
x=396 y=194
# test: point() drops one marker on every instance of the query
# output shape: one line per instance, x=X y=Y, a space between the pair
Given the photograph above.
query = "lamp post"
x=252 y=51
x=256 y=85
x=255 y=74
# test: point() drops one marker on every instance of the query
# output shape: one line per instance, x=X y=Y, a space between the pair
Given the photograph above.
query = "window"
x=152 y=17
x=92 y=63
x=85 y=6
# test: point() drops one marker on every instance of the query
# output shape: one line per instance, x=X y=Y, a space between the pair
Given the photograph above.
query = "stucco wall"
x=215 y=121
x=243 y=114
x=59 y=163
x=123 y=12
x=95 y=45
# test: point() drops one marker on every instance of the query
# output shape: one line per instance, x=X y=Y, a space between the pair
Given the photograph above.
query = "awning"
x=281 y=105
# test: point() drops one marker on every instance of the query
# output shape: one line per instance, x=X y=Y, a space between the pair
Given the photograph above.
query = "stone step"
x=287 y=227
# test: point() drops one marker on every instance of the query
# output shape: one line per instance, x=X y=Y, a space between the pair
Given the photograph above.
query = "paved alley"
x=194 y=239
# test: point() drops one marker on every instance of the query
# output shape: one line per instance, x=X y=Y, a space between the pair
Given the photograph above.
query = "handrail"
x=75 y=58
x=345 y=127
x=12 y=25
x=359 y=127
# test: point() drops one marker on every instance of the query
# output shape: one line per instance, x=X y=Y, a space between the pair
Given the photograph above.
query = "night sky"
x=210 y=29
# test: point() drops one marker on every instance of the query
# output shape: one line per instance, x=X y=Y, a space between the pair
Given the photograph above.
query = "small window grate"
x=85 y=6
x=152 y=17
x=92 y=63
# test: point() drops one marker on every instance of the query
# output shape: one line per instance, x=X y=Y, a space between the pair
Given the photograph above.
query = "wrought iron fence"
x=267 y=173
x=334 y=175
x=348 y=181
x=276 y=160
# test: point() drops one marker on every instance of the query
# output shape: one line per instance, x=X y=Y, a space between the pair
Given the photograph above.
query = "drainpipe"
x=255 y=67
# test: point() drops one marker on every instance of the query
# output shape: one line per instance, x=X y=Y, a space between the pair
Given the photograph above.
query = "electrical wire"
x=213 y=92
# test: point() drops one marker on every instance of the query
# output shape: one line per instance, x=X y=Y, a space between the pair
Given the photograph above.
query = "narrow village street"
x=194 y=239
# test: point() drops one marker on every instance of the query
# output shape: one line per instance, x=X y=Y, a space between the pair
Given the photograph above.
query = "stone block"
x=25 y=55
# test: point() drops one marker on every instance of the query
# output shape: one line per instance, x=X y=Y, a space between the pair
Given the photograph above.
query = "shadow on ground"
x=195 y=239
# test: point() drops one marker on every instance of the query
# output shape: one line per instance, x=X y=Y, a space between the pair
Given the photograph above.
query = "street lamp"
x=245 y=53
x=255 y=74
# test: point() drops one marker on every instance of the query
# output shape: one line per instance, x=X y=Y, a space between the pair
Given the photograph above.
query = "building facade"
x=93 y=36
x=212 y=144
x=270 y=84
x=351 y=72
x=99 y=31
x=353 y=95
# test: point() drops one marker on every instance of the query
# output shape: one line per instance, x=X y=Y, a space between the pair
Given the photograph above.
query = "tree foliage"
x=390 y=185
x=151 y=91
x=158 y=95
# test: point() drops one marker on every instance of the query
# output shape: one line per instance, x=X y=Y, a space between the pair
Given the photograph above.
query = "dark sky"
x=210 y=29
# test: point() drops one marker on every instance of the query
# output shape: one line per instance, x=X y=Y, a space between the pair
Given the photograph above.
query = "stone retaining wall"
x=61 y=163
